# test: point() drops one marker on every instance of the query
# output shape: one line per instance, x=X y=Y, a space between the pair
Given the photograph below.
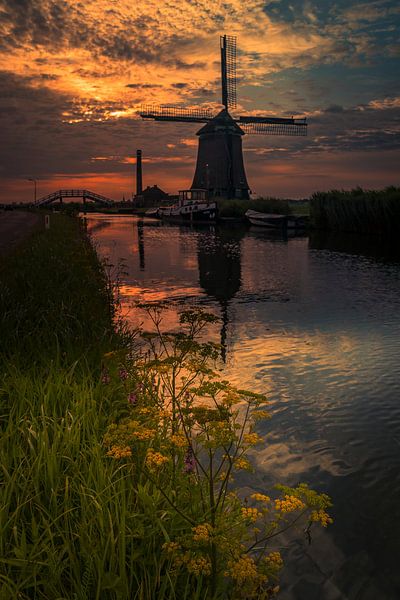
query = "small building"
x=151 y=196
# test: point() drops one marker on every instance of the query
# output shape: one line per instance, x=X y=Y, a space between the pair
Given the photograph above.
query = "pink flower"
x=132 y=398
x=123 y=374
x=189 y=461
x=105 y=378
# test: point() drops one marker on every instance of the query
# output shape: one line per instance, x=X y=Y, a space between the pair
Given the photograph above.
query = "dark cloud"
x=370 y=131
x=35 y=21
x=363 y=128
x=143 y=86
x=53 y=24
x=334 y=108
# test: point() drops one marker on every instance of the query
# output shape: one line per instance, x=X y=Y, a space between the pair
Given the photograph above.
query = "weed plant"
x=357 y=210
x=118 y=455
x=185 y=434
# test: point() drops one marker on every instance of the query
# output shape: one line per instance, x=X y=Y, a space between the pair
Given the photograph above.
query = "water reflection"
x=316 y=325
x=219 y=258
x=140 y=234
x=379 y=248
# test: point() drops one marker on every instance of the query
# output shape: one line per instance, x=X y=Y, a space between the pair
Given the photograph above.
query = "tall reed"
x=357 y=210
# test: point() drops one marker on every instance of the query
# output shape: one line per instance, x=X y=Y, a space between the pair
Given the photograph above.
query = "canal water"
x=315 y=324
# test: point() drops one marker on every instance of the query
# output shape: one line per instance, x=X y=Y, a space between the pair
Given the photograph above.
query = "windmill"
x=220 y=168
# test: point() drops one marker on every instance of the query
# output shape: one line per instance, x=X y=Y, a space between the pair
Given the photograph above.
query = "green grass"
x=55 y=300
x=357 y=210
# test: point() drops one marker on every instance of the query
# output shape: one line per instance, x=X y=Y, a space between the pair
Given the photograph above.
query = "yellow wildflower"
x=199 y=565
x=119 y=452
x=126 y=432
x=164 y=413
x=179 y=440
x=322 y=517
x=244 y=570
x=144 y=434
x=231 y=397
x=252 y=514
x=155 y=460
x=261 y=414
x=145 y=410
x=182 y=558
x=260 y=497
x=252 y=439
x=242 y=463
x=289 y=504
x=274 y=559
x=171 y=547
x=201 y=533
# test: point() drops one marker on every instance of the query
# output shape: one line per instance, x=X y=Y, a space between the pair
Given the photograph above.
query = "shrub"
x=185 y=434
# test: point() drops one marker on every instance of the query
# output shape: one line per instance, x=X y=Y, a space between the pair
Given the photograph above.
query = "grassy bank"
x=357 y=210
x=55 y=301
x=61 y=502
x=119 y=460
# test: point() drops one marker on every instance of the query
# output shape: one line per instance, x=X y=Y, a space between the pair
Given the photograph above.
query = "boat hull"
x=190 y=213
x=272 y=221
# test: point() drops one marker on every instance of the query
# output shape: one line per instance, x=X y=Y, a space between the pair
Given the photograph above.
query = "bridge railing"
x=85 y=194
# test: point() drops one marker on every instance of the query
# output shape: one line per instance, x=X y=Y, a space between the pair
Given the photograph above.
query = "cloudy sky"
x=73 y=74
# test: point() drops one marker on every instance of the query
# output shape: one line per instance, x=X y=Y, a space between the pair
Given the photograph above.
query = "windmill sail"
x=228 y=71
x=175 y=113
x=273 y=125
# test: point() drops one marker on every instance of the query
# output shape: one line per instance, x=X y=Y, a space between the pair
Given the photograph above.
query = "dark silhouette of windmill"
x=220 y=168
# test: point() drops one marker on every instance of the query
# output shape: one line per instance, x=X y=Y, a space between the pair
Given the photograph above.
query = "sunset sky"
x=74 y=73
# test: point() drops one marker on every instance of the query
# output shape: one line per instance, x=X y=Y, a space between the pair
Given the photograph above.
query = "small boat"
x=152 y=212
x=193 y=206
x=266 y=219
x=273 y=221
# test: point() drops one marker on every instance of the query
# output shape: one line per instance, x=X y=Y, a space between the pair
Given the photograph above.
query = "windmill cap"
x=222 y=122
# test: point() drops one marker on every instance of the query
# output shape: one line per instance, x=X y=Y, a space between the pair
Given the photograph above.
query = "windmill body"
x=220 y=168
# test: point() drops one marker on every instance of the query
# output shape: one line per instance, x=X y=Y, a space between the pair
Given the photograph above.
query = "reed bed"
x=357 y=210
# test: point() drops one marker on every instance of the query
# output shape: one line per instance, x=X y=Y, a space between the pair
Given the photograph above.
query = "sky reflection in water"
x=317 y=330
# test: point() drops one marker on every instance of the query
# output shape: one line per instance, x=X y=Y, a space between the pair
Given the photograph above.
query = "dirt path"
x=14 y=227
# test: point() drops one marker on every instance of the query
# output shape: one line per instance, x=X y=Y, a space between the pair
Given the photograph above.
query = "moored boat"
x=274 y=221
x=266 y=219
x=193 y=206
x=152 y=212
